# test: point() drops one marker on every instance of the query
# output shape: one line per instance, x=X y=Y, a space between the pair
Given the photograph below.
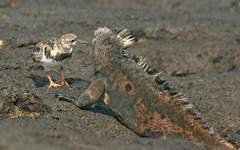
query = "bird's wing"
x=56 y=52
x=62 y=56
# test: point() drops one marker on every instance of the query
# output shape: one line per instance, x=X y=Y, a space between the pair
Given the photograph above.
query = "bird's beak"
x=82 y=42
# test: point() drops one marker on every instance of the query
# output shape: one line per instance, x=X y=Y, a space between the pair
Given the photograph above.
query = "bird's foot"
x=62 y=83
x=52 y=83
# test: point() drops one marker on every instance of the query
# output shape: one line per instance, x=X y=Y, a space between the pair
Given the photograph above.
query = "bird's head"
x=68 y=40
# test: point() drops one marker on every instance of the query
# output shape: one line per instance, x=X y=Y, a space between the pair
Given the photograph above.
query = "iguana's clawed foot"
x=106 y=99
x=90 y=96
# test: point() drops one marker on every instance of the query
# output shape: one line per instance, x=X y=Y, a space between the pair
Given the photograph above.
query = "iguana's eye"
x=107 y=41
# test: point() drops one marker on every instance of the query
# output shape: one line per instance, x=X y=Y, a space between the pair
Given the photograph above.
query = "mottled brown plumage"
x=51 y=53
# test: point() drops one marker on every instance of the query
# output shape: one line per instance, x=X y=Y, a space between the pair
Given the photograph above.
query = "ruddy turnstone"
x=51 y=54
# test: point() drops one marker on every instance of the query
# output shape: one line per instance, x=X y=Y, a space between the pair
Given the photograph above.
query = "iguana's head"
x=110 y=43
x=103 y=42
x=103 y=37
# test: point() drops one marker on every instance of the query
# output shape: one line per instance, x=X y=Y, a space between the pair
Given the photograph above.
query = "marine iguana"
x=137 y=96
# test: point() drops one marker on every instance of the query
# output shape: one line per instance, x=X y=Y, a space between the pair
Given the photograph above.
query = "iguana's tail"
x=179 y=99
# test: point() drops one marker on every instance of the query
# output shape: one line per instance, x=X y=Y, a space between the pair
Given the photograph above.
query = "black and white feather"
x=51 y=53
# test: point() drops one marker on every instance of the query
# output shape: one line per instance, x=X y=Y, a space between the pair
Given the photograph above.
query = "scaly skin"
x=140 y=101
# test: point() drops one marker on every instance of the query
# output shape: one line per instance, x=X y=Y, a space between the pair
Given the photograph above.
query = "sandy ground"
x=196 y=44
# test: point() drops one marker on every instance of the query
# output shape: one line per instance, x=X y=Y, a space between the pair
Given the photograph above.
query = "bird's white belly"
x=50 y=64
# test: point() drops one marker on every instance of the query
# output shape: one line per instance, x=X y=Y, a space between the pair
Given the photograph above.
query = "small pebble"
x=1 y=43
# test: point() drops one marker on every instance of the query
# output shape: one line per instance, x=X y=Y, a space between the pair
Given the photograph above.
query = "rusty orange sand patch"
x=20 y=113
x=1 y=43
x=28 y=105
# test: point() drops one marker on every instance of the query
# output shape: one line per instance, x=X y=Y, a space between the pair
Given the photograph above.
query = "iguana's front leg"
x=89 y=97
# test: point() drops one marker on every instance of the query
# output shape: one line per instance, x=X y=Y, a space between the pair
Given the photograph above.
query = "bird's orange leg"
x=62 y=81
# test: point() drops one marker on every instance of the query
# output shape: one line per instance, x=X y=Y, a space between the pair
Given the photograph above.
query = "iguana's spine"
x=125 y=38
x=179 y=99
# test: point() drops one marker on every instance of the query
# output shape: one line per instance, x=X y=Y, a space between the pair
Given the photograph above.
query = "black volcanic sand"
x=196 y=44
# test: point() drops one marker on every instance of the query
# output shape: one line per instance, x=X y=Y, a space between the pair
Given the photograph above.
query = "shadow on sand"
x=43 y=81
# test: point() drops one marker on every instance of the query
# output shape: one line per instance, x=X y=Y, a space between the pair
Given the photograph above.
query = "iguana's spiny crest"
x=113 y=42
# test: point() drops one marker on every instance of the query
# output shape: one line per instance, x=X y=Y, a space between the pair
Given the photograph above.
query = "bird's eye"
x=36 y=50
